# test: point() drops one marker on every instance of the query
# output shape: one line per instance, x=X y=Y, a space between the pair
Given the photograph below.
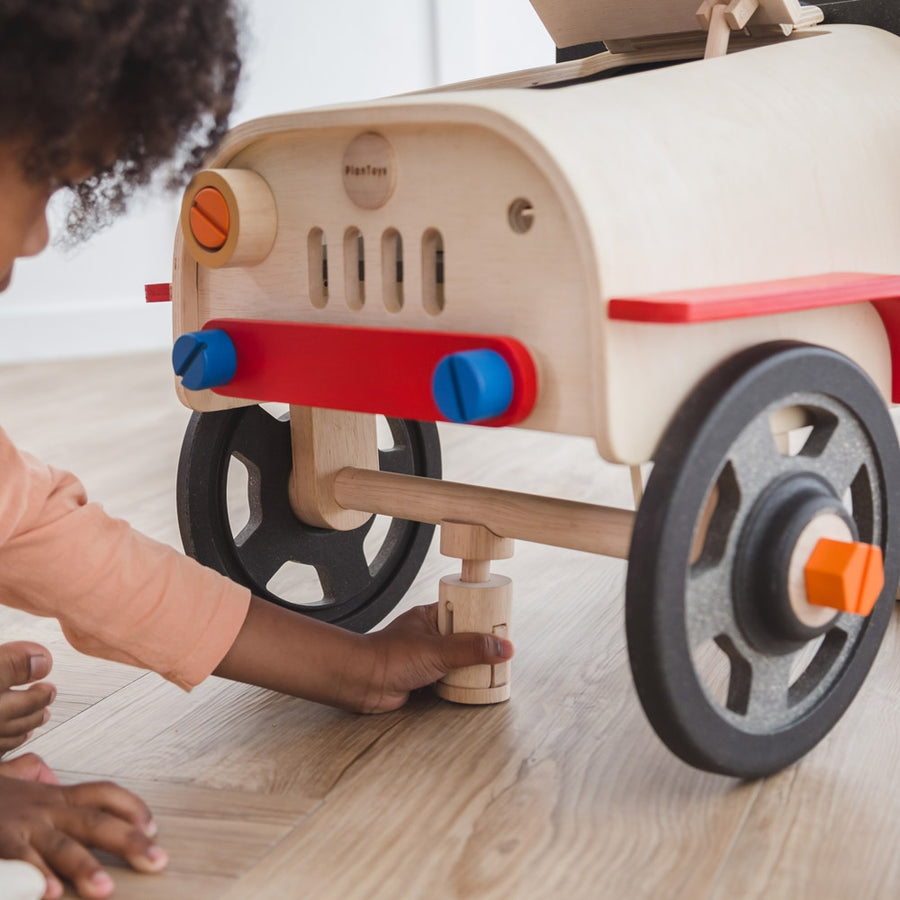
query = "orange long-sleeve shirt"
x=117 y=593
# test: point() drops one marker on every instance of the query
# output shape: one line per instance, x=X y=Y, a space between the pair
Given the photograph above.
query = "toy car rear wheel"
x=730 y=680
x=235 y=516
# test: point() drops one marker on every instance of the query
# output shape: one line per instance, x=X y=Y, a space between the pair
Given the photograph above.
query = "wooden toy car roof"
x=572 y=22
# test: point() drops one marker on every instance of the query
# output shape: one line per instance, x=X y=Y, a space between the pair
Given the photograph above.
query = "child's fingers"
x=115 y=801
x=28 y=767
x=14 y=846
x=21 y=712
x=77 y=828
x=27 y=707
x=429 y=613
x=22 y=662
x=71 y=860
x=459 y=650
x=21 y=730
x=15 y=704
x=11 y=743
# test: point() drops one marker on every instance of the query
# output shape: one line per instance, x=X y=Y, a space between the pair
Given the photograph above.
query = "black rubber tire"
x=668 y=607
x=355 y=594
x=883 y=14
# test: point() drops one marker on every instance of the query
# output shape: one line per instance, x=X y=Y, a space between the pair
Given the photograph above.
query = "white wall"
x=298 y=54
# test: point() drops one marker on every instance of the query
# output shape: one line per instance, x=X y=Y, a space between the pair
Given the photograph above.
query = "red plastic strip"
x=759 y=299
x=370 y=370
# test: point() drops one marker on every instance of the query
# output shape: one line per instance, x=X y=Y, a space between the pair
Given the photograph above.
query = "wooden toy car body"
x=642 y=184
x=629 y=233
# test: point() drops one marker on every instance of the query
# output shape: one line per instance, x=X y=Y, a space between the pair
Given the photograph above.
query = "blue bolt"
x=472 y=385
x=204 y=359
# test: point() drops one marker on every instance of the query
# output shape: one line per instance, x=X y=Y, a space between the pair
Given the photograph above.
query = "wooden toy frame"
x=618 y=242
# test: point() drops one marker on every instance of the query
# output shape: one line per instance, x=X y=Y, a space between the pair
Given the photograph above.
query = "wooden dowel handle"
x=527 y=517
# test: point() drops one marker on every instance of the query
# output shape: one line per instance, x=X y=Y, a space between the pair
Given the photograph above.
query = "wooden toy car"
x=692 y=256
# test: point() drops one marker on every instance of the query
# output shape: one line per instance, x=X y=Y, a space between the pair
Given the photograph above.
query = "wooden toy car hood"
x=654 y=164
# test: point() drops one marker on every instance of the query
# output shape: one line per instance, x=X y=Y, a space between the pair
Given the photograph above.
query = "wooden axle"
x=544 y=520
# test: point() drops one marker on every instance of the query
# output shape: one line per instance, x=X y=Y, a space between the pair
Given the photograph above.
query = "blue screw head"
x=472 y=385
x=204 y=359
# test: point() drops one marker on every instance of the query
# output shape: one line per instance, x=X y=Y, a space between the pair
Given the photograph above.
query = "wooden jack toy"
x=685 y=245
x=475 y=601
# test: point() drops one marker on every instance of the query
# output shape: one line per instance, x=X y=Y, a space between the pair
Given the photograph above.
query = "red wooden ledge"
x=739 y=301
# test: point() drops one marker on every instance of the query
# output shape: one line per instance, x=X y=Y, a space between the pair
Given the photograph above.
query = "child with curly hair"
x=97 y=97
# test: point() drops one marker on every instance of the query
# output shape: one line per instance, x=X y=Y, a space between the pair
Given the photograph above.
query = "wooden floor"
x=562 y=792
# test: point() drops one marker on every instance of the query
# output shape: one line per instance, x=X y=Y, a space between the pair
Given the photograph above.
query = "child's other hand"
x=52 y=826
x=21 y=711
x=411 y=653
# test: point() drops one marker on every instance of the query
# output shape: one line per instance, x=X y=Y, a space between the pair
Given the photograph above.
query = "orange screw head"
x=210 y=218
x=844 y=575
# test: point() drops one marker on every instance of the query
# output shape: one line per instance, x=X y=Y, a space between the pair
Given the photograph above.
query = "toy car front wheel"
x=728 y=675
x=235 y=516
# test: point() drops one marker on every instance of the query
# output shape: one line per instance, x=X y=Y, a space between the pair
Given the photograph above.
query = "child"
x=96 y=96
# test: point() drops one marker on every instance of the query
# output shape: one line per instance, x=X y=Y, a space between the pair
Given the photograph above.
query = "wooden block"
x=637 y=484
x=738 y=13
x=581 y=21
x=324 y=441
x=704 y=13
x=719 y=33
x=236 y=226
x=465 y=608
x=461 y=540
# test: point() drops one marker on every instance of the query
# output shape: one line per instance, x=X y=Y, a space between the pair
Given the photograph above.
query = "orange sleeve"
x=117 y=593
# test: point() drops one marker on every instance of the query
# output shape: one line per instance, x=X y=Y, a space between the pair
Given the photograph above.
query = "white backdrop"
x=298 y=53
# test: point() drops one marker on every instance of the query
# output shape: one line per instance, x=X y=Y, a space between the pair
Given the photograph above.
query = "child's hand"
x=23 y=711
x=284 y=651
x=52 y=827
x=411 y=653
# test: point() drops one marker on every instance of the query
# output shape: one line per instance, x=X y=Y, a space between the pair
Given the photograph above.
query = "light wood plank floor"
x=562 y=792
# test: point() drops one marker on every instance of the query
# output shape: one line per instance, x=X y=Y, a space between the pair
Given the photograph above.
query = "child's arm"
x=51 y=826
x=120 y=595
x=375 y=672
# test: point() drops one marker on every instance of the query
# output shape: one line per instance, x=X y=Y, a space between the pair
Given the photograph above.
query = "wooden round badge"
x=369 y=170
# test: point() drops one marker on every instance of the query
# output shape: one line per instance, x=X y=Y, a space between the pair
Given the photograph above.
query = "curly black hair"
x=157 y=77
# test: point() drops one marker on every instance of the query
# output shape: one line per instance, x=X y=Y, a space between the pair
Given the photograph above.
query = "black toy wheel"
x=235 y=516
x=877 y=13
x=731 y=680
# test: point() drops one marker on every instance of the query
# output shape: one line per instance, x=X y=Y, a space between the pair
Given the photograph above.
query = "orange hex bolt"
x=847 y=576
x=210 y=219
